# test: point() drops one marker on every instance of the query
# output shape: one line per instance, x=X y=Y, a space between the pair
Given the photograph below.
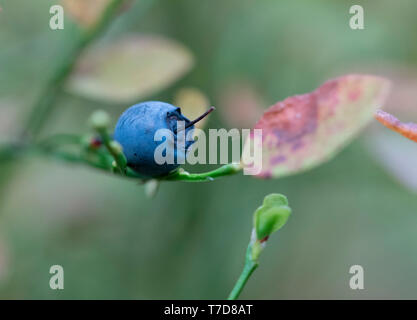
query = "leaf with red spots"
x=306 y=130
x=408 y=130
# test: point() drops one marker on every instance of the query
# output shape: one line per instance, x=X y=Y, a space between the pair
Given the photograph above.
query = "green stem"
x=248 y=269
x=9 y=152
x=226 y=170
x=114 y=149
x=43 y=108
x=48 y=147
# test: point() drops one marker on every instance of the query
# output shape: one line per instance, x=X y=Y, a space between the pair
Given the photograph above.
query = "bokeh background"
x=189 y=241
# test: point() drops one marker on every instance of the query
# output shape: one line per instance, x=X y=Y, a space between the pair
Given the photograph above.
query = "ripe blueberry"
x=135 y=131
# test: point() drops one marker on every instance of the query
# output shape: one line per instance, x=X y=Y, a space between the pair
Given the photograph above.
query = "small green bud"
x=100 y=120
x=114 y=167
x=271 y=216
x=117 y=151
x=116 y=147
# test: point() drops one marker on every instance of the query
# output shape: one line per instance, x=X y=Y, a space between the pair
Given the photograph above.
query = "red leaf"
x=305 y=130
x=408 y=130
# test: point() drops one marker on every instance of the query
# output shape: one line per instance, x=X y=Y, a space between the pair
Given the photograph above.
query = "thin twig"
x=44 y=107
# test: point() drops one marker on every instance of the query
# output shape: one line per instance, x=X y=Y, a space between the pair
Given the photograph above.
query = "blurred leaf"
x=130 y=69
x=4 y=258
x=240 y=104
x=85 y=12
x=402 y=100
x=408 y=130
x=193 y=103
x=303 y=131
x=395 y=154
x=8 y=119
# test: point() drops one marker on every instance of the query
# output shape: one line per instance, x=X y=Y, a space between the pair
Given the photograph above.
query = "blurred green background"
x=189 y=241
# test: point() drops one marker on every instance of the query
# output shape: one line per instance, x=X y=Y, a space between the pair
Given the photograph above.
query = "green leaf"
x=275 y=199
x=130 y=69
x=306 y=130
x=271 y=216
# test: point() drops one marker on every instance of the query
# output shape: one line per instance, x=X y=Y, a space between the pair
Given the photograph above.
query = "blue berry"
x=135 y=131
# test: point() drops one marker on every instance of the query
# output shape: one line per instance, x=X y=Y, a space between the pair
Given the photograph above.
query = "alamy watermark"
x=57 y=280
x=356 y=282
x=356 y=21
x=56 y=22
x=175 y=147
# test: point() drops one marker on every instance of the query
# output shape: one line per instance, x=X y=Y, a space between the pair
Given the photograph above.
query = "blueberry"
x=135 y=131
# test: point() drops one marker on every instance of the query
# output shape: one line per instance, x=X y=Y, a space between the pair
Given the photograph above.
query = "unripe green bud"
x=100 y=120
x=116 y=147
x=117 y=151
x=271 y=216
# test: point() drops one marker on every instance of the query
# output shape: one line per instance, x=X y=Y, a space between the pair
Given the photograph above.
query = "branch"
x=225 y=170
x=267 y=219
x=43 y=108
x=248 y=269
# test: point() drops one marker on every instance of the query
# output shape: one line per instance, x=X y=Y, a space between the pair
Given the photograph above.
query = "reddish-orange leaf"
x=408 y=130
x=303 y=131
